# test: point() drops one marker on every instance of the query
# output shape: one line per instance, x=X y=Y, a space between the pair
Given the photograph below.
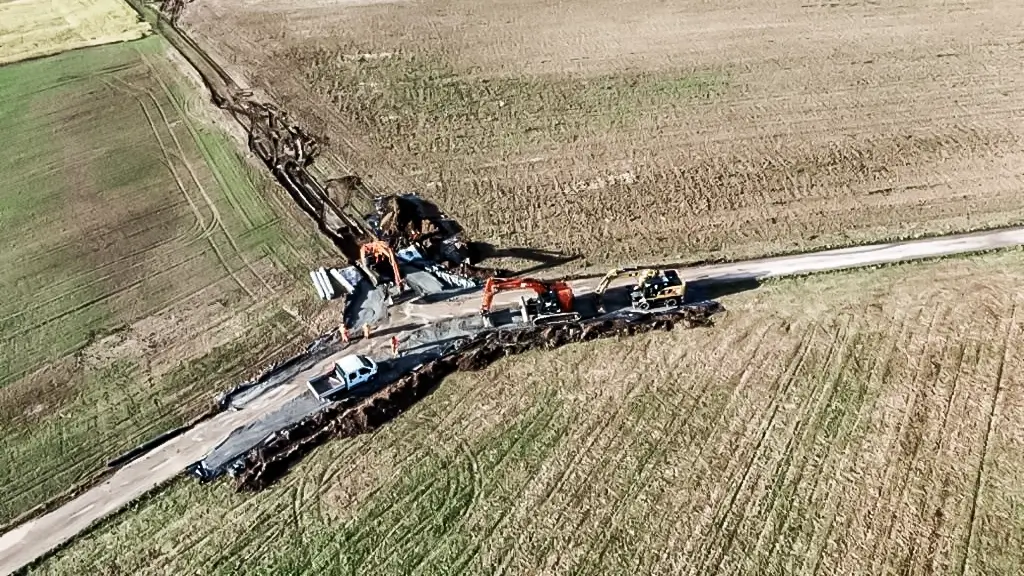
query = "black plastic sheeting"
x=320 y=344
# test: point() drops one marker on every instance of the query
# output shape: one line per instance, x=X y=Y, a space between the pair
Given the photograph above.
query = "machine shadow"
x=480 y=251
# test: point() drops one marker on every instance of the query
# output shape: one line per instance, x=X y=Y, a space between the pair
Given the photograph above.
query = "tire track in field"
x=620 y=446
x=102 y=298
x=208 y=229
x=613 y=448
x=198 y=223
x=335 y=466
x=837 y=359
x=777 y=508
x=812 y=462
x=979 y=477
x=928 y=542
x=903 y=466
x=437 y=423
x=656 y=455
x=376 y=518
x=540 y=424
x=889 y=547
x=892 y=463
x=780 y=383
x=611 y=458
x=796 y=359
x=659 y=501
x=603 y=444
x=659 y=447
x=77 y=278
x=592 y=434
x=210 y=203
x=841 y=457
x=900 y=331
x=214 y=168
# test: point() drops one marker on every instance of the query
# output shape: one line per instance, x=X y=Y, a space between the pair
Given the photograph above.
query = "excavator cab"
x=553 y=301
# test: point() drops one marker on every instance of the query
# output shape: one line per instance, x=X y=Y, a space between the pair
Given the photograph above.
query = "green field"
x=145 y=263
x=840 y=424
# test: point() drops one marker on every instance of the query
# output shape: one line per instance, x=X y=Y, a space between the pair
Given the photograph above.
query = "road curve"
x=37 y=537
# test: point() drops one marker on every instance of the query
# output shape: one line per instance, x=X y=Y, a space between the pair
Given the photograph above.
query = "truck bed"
x=324 y=386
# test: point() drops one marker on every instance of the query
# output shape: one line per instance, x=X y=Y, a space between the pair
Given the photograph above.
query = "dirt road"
x=37 y=537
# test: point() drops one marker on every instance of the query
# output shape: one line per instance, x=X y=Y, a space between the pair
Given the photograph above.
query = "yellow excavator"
x=654 y=288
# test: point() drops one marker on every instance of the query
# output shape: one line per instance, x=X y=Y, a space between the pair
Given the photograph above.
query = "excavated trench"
x=270 y=461
x=288 y=152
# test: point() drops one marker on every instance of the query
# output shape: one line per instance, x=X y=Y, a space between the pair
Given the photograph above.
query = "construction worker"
x=366 y=331
x=343 y=331
x=394 y=346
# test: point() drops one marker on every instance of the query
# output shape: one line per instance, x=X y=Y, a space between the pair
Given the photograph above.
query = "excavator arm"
x=562 y=292
x=381 y=249
x=616 y=273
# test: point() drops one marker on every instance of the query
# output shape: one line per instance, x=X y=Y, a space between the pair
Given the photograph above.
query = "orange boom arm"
x=560 y=289
x=378 y=249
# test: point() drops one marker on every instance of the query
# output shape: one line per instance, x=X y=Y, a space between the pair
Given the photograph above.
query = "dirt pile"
x=401 y=222
x=267 y=463
x=409 y=220
x=288 y=151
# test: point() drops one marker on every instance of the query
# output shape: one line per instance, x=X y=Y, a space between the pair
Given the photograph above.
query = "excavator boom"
x=561 y=291
x=379 y=249
x=615 y=273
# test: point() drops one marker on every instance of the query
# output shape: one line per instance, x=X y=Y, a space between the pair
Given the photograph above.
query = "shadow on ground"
x=545 y=259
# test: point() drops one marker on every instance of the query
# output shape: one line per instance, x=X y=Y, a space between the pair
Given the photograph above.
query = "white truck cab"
x=350 y=371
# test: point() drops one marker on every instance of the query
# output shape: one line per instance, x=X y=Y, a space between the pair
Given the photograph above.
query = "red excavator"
x=380 y=249
x=553 y=303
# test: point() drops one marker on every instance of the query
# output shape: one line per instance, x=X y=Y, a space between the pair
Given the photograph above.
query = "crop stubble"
x=33 y=28
x=830 y=424
x=636 y=130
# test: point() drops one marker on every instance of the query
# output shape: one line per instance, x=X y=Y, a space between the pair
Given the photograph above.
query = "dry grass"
x=641 y=130
x=850 y=423
x=33 y=28
x=145 y=264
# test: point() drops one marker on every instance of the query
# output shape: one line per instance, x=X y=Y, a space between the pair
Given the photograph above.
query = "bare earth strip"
x=851 y=424
x=32 y=28
x=35 y=538
x=626 y=131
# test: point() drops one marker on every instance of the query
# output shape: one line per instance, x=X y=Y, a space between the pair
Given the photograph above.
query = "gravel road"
x=35 y=538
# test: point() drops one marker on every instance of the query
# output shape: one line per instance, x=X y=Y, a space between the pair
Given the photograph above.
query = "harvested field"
x=145 y=266
x=33 y=28
x=848 y=423
x=641 y=130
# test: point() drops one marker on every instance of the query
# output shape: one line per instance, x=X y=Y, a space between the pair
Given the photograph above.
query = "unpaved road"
x=37 y=537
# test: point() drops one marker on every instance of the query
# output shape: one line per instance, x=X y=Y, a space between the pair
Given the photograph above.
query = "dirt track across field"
x=37 y=537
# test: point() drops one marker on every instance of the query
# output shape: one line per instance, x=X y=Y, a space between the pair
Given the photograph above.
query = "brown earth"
x=862 y=423
x=642 y=129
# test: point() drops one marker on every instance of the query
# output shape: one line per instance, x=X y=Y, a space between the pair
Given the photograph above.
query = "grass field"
x=145 y=264
x=33 y=28
x=641 y=130
x=860 y=423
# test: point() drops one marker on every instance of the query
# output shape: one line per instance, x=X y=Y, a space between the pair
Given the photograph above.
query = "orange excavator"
x=553 y=303
x=380 y=249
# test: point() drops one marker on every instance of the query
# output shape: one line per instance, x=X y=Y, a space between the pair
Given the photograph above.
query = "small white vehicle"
x=351 y=371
